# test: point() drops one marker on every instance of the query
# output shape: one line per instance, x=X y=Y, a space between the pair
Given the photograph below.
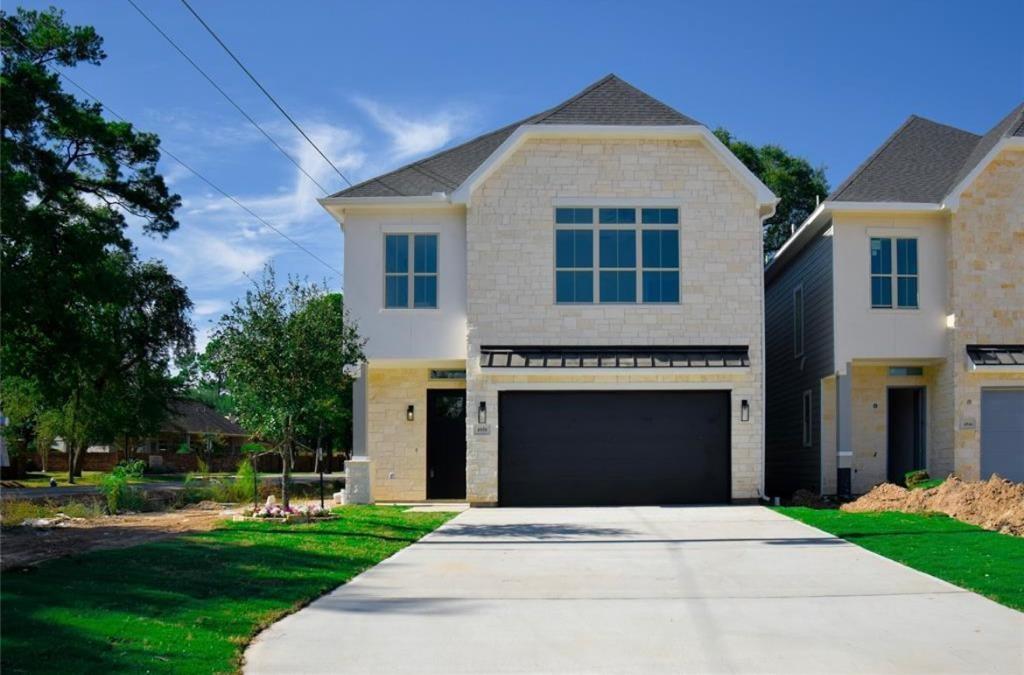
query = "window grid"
x=894 y=288
x=416 y=282
x=618 y=277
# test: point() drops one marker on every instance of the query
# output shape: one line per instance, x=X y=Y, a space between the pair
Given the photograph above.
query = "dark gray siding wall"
x=788 y=464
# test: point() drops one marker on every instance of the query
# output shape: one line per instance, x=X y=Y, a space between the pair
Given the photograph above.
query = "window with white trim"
x=416 y=282
x=798 y=321
x=807 y=410
x=887 y=285
x=635 y=263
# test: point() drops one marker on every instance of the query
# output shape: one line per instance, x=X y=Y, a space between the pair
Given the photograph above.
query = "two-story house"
x=895 y=318
x=568 y=310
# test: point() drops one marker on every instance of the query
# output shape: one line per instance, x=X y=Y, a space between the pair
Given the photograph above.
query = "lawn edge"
x=960 y=589
x=240 y=660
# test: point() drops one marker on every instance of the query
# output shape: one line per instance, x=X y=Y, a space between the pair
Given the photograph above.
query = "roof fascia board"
x=463 y=194
x=338 y=206
x=952 y=200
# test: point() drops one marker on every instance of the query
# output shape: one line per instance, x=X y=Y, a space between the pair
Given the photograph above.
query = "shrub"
x=133 y=468
x=914 y=478
x=241 y=488
x=119 y=493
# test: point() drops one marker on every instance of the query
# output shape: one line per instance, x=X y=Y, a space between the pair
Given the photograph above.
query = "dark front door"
x=906 y=432
x=596 y=448
x=446 y=444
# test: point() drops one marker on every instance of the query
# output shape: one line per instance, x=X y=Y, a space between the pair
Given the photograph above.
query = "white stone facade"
x=511 y=296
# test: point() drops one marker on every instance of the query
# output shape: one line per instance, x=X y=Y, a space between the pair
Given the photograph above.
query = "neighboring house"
x=568 y=310
x=895 y=318
x=191 y=428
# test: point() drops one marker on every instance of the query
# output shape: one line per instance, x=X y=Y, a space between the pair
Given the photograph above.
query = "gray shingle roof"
x=923 y=161
x=197 y=418
x=609 y=101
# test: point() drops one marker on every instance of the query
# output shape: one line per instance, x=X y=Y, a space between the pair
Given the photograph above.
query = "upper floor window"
x=574 y=265
x=798 y=321
x=403 y=281
x=884 y=284
x=637 y=255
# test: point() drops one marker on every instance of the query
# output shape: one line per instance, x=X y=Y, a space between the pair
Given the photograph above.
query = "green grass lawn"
x=190 y=604
x=985 y=562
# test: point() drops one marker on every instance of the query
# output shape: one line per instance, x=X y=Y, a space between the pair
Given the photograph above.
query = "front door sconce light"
x=744 y=411
x=410 y=413
x=481 y=413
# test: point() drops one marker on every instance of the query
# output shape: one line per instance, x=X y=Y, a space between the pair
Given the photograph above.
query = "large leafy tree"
x=88 y=329
x=798 y=185
x=283 y=351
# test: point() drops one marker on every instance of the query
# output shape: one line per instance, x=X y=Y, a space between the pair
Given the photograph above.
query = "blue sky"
x=378 y=84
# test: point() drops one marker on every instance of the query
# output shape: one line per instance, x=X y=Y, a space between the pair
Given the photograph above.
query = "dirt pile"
x=995 y=504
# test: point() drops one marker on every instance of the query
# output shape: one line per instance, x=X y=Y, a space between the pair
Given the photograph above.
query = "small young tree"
x=282 y=351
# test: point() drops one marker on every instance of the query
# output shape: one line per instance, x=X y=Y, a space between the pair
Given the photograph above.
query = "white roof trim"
x=952 y=200
x=463 y=194
x=796 y=241
x=417 y=200
x=1016 y=370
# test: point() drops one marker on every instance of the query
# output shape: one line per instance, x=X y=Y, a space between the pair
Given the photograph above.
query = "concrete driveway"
x=641 y=590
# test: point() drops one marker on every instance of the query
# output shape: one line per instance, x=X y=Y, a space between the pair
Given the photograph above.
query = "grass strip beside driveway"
x=190 y=604
x=979 y=560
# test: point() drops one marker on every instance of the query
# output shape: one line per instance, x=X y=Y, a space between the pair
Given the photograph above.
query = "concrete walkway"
x=641 y=590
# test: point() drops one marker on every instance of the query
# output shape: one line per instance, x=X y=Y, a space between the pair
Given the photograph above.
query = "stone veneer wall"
x=869 y=386
x=986 y=272
x=398 y=448
x=510 y=266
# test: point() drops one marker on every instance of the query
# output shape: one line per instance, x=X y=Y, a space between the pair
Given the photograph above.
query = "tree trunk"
x=75 y=452
x=286 y=471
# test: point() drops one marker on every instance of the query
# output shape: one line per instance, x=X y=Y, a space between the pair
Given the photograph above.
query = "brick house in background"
x=895 y=317
x=568 y=310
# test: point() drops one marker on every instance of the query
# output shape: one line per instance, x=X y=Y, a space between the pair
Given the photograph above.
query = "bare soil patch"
x=995 y=504
x=27 y=545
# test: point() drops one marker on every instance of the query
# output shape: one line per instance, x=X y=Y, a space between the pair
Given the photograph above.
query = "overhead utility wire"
x=203 y=178
x=264 y=90
x=226 y=96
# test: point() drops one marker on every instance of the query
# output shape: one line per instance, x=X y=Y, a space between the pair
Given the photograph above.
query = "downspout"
x=764 y=356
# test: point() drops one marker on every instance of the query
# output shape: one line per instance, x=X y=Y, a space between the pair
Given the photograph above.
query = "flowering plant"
x=278 y=511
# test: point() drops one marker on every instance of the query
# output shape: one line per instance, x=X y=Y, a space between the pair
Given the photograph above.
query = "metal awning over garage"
x=996 y=355
x=615 y=357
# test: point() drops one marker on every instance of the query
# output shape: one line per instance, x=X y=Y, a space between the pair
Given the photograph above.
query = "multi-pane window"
x=884 y=284
x=621 y=242
x=798 y=321
x=574 y=266
x=661 y=265
x=617 y=256
x=403 y=281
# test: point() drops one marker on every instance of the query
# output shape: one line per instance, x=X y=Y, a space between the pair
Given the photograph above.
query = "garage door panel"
x=1002 y=433
x=615 y=448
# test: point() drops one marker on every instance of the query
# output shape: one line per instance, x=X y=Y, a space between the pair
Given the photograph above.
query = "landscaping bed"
x=988 y=563
x=190 y=604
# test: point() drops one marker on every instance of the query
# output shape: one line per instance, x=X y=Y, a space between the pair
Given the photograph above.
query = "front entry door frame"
x=446 y=446
x=919 y=410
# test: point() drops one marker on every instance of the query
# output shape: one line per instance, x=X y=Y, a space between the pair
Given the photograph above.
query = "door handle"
x=431 y=473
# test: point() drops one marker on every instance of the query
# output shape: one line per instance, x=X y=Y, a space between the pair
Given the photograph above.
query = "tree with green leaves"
x=794 y=181
x=283 y=351
x=91 y=328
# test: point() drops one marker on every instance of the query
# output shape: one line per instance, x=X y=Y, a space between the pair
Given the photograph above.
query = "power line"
x=264 y=90
x=226 y=96
x=203 y=178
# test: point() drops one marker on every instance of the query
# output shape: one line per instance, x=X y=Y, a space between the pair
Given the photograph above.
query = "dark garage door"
x=576 y=448
x=1002 y=433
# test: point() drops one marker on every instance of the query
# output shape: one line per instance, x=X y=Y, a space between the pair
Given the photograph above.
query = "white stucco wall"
x=865 y=333
x=406 y=334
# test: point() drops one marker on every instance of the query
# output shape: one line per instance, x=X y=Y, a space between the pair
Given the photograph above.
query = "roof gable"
x=610 y=101
x=918 y=163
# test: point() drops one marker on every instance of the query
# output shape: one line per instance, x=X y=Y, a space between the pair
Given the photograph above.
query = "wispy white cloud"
x=414 y=136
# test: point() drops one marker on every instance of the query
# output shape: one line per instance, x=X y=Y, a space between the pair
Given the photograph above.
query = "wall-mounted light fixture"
x=410 y=413
x=481 y=413
x=744 y=411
